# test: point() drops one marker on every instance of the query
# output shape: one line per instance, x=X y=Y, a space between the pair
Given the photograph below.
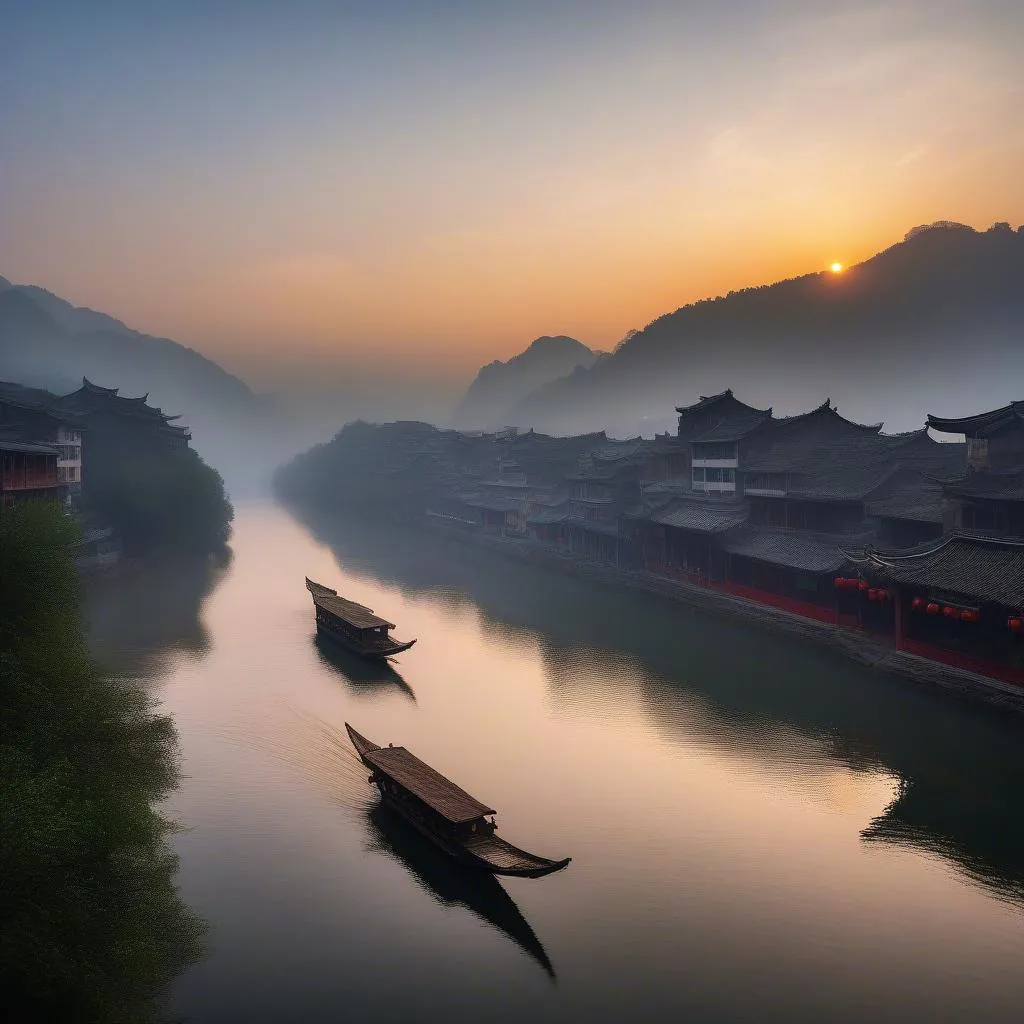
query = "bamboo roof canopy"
x=356 y=615
x=450 y=801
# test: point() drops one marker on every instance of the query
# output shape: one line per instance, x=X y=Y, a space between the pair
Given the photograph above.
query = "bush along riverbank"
x=92 y=926
x=174 y=503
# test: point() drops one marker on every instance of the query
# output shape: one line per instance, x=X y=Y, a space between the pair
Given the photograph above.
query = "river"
x=760 y=830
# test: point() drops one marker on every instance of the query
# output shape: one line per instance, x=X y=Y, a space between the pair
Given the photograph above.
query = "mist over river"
x=760 y=830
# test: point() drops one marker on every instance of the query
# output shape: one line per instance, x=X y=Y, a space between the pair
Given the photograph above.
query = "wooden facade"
x=29 y=472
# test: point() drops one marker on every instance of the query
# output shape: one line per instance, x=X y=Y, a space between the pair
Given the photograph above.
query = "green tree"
x=92 y=927
x=174 y=502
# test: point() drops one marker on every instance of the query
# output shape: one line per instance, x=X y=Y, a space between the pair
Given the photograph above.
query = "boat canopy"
x=442 y=795
x=358 y=616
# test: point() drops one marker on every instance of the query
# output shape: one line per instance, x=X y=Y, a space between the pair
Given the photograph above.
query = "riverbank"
x=857 y=644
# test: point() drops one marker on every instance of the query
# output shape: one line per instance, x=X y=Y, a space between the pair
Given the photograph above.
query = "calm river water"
x=759 y=829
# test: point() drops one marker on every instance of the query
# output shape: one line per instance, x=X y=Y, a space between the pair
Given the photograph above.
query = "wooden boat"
x=444 y=813
x=354 y=625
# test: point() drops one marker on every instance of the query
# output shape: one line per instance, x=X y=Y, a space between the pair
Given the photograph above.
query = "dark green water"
x=760 y=830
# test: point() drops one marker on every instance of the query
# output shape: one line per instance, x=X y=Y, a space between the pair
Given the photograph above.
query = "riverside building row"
x=916 y=541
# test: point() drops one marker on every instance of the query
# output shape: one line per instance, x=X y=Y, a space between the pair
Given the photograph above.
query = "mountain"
x=499 y=386
x=76 y=319
x=935 y=322
x=47 y=342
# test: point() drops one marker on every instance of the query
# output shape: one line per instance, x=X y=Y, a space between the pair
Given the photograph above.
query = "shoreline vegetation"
x=93 y=926
x=173 y=504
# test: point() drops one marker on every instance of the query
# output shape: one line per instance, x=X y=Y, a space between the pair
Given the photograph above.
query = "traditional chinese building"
x=717 y=430
x=33 y=416
x=28 y=471
x=959 y=600
x=605 y=483
x=989 y=495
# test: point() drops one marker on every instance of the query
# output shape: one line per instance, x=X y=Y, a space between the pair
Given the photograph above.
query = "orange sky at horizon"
x=377 y=189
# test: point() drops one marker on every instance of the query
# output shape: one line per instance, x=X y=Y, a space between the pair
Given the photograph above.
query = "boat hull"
x=376 y=653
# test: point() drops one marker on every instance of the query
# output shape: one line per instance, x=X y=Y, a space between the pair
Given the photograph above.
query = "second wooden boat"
x=353 y=625
x=445 y=813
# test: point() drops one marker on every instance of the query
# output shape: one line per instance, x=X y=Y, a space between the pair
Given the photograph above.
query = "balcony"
x=715 y=463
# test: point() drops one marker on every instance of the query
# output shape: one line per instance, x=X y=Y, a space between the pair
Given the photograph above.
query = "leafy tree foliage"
x=92 y=927
x=173 y=501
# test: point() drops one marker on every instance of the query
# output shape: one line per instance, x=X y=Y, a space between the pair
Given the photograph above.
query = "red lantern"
x=863 y=585
x=917 y=603
x=967 y=615
x=949 y=611
x=883 y=595
x=872 y=594
x=840 y=582
x=933 y=608
x=1014 y=623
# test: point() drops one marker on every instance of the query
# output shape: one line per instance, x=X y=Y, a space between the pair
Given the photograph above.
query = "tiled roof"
x=980 y=568
x=1007 y=486
x=851 y=467
x=701 y=516
x=781 y=547
x=824 y=416
x=841 y=483
x=30 y=447
x=925 y=506
x=618 y=450
x=719 y=417
x=28 y=398
x=981 y=425
x=733 y=426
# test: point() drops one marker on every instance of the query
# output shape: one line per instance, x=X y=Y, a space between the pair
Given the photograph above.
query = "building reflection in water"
x=139 y=614
x=362 y=675
x=959 y=766
x=450 y=883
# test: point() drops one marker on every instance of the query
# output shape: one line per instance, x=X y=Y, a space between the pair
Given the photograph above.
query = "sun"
x=836 y=268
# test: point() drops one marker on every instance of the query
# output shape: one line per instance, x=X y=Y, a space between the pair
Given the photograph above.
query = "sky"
x=302 y=189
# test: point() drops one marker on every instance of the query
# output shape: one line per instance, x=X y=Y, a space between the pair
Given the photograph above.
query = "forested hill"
x=934 y=322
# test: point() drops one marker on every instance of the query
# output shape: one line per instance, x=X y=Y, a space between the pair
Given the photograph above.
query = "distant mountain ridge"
x=48 y=342
x=500 y=386
x=935 y=316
